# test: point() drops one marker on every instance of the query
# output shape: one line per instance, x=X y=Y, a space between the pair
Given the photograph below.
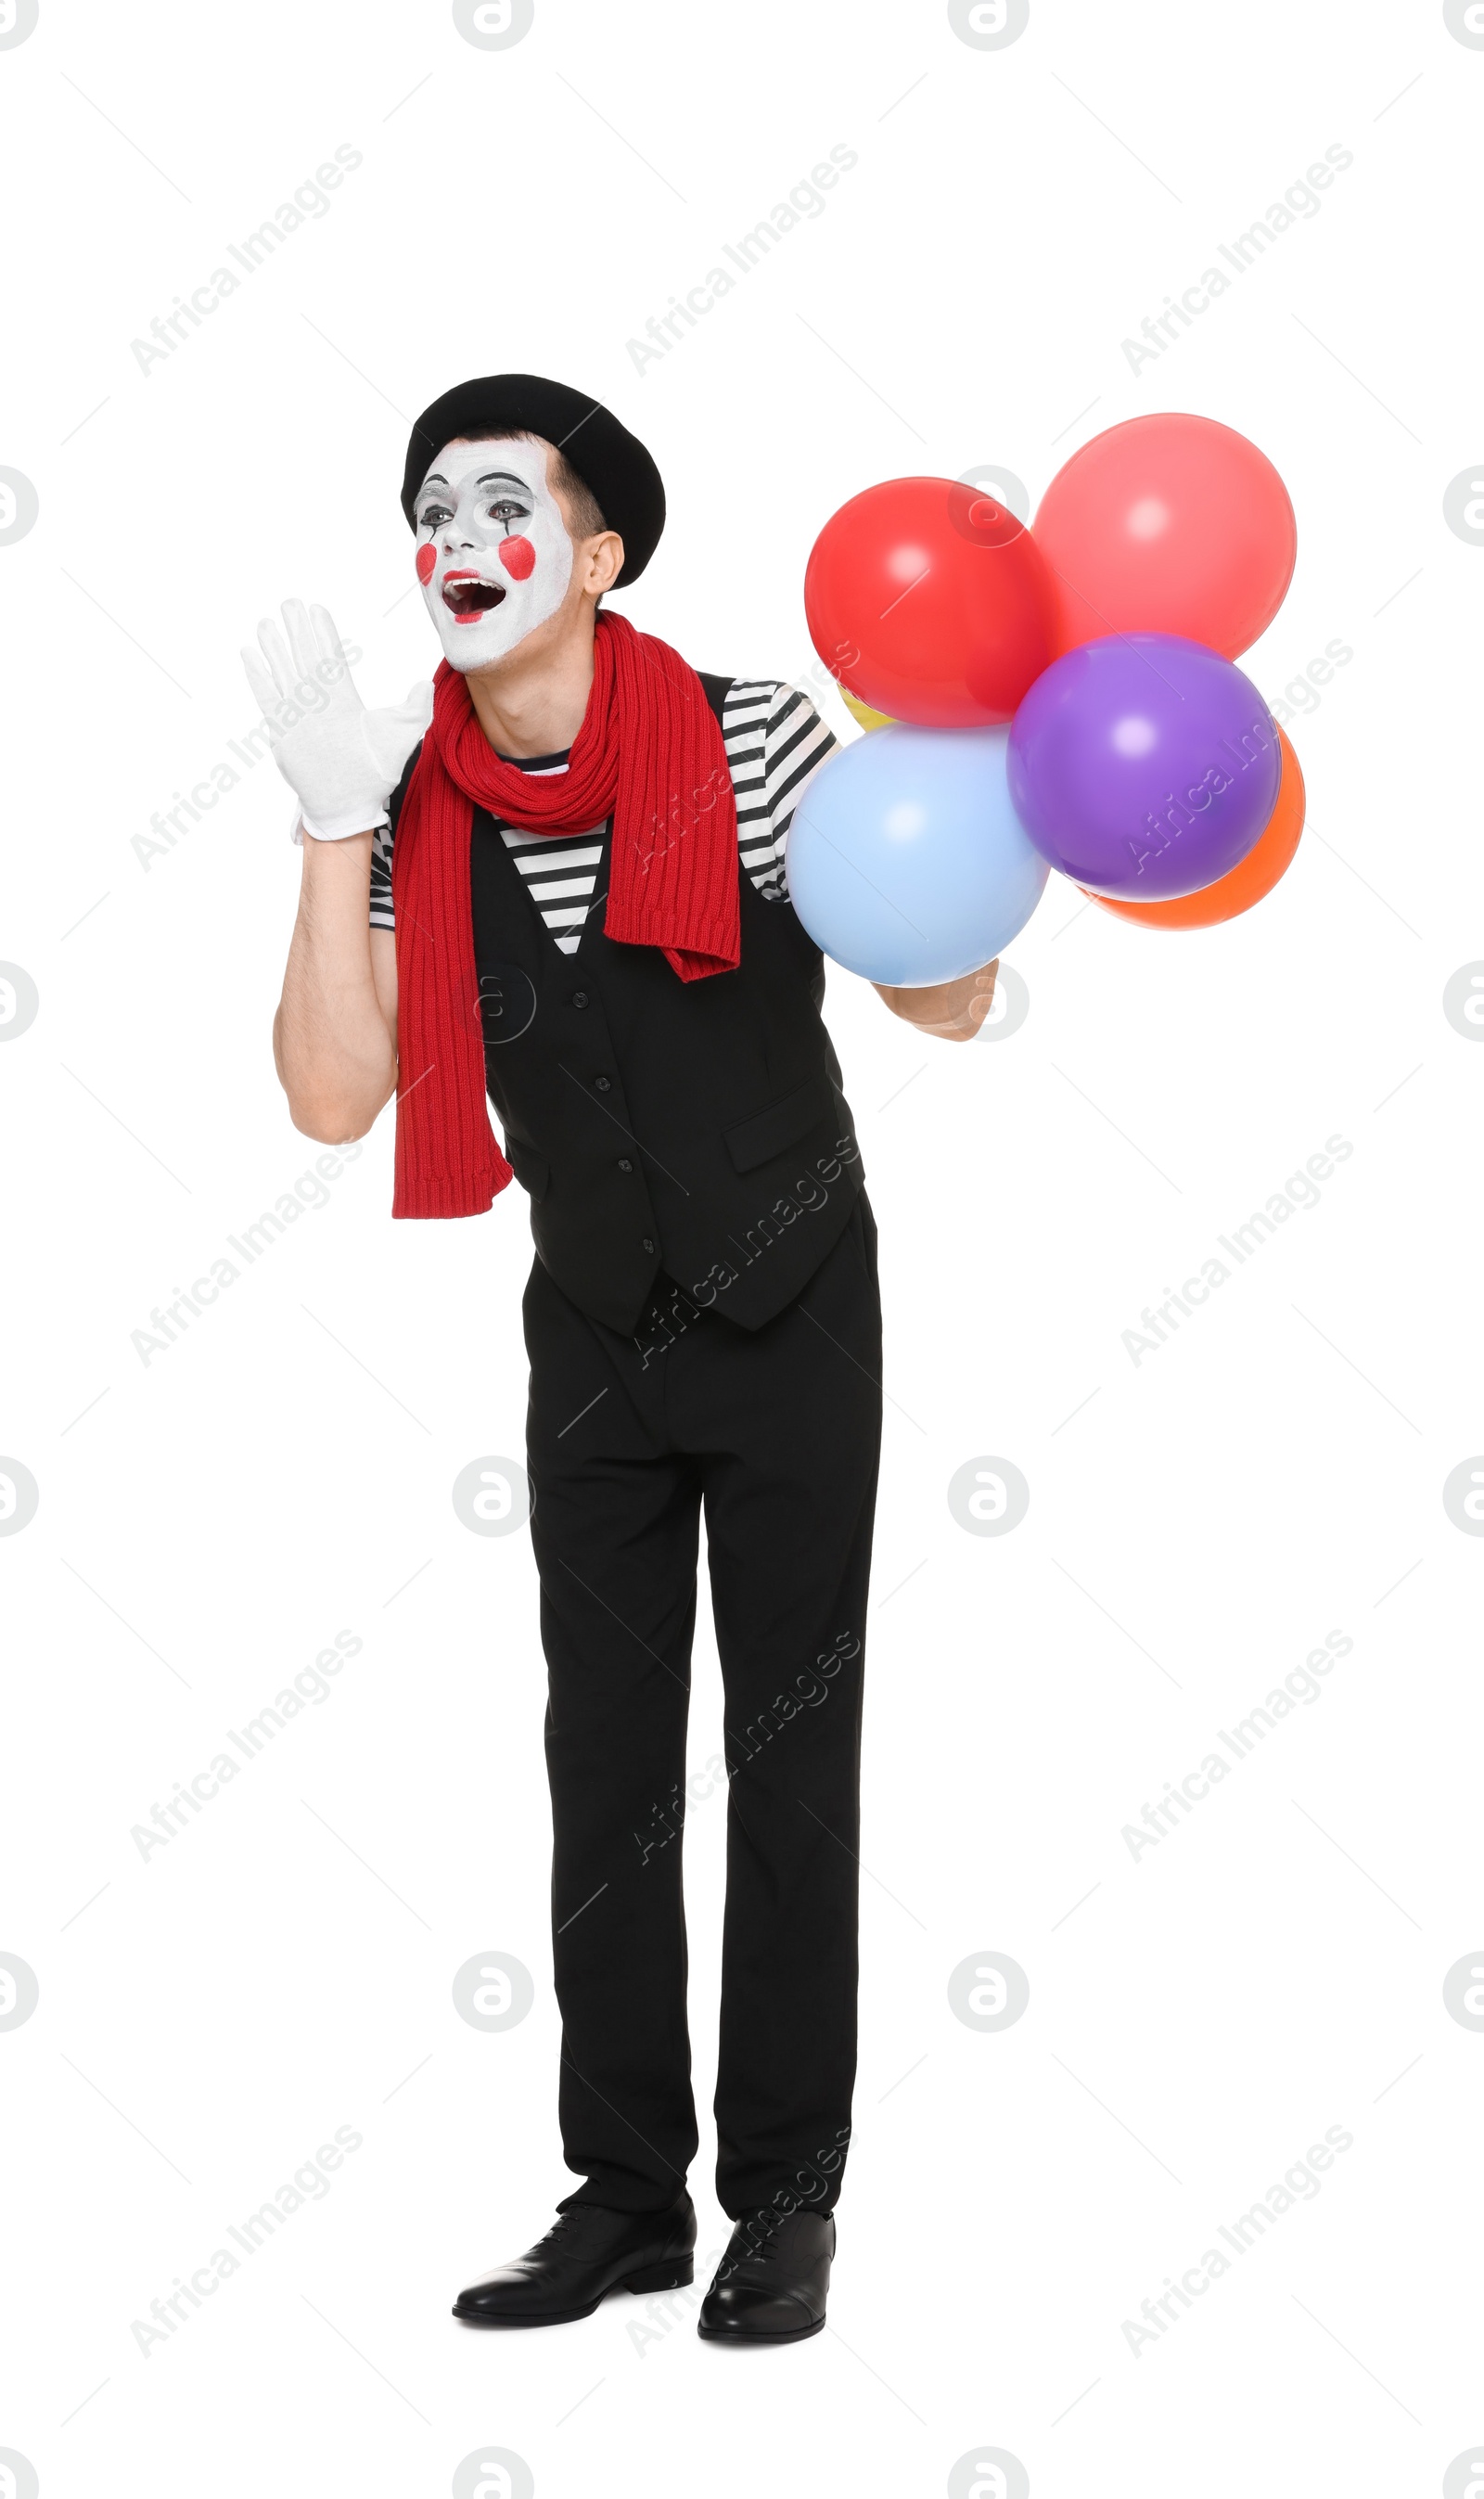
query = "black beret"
x=608 y=459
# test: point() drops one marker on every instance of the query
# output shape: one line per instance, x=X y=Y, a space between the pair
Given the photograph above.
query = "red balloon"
x=1168 y=525
x=931 y=602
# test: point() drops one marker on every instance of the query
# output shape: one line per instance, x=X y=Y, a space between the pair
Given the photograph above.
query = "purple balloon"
x=1143 y=765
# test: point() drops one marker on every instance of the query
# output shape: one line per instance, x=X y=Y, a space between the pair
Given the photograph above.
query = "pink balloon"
x=1168 y=525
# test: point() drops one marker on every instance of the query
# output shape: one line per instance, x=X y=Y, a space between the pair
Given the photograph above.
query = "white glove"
x=340 y=761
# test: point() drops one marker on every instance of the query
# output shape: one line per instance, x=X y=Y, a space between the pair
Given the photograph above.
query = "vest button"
x=579 y=998
x=647 y=1243
x=602 y=1085
x=625 y=1164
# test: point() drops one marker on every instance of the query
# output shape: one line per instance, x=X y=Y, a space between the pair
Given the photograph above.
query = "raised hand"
x=340 y=761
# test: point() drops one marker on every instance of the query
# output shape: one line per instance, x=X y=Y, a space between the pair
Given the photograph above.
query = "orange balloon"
x=1243 y=885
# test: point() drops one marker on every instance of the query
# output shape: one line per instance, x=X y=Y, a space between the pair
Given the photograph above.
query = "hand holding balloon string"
x=949 y=1010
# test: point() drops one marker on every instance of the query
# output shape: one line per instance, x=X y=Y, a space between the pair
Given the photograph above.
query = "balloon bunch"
x=1061 y=696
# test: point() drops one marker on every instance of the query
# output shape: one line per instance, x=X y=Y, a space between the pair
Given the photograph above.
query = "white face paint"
x=493 y=553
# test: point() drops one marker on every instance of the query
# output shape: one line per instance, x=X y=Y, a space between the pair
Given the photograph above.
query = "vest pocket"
x=772 y=1131
x=531 y=1169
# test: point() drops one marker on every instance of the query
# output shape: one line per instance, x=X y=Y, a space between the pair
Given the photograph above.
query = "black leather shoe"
x=589 y=2251
x=770 y=2286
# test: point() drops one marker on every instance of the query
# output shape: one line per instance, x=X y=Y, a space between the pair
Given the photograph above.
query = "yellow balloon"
x=862 y=712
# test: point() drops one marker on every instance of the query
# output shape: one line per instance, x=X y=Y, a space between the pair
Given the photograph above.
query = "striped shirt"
x=775 y=740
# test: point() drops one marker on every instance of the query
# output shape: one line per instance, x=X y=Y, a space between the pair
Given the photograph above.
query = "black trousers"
x=776 y=1433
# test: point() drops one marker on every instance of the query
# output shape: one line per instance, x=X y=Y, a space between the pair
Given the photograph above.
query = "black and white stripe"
x=559 y=877
x=775 y=740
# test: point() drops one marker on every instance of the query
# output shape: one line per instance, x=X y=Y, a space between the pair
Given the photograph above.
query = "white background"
x=1197 y=1523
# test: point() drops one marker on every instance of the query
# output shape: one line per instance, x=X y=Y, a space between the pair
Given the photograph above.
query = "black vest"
x=694 y=1126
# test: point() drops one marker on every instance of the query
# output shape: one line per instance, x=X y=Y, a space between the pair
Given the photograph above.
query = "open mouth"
x=467 y=598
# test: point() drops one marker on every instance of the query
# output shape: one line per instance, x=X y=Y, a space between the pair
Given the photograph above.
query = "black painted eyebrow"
x=489 y=478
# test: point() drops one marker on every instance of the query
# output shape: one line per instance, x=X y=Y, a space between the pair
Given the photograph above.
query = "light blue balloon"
x=906 y=862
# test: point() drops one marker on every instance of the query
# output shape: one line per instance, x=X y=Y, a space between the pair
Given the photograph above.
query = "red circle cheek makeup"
x=518 y=556
x=427 y=558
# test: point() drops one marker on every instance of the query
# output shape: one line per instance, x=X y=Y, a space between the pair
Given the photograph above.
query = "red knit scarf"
x=650 y=754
